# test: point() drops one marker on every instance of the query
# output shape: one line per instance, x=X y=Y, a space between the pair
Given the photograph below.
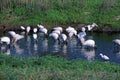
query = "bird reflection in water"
x=17 y=48
x=89 y=54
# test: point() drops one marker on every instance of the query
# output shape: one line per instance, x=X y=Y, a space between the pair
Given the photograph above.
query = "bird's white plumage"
x=40 y=26
x=28 y=29
x=15 y=36
x=22 y=27
x=87 y=43
x=43 y=30
x=63 y=37
x=35 y=30
x=56 y=31
x=54 y=35
x=104 y=56
x=58 y=28
x=116 y=41
x=81 y=34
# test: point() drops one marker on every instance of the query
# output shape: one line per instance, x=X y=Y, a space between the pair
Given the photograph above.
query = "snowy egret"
x=104 y=56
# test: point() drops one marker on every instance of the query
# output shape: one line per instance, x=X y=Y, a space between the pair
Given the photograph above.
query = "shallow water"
x=72 y=50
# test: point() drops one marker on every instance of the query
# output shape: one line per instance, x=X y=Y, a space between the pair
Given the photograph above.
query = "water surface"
x=71 y=51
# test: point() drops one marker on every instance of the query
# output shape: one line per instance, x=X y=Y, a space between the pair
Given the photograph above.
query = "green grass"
x=55 y=68
x=62 y=12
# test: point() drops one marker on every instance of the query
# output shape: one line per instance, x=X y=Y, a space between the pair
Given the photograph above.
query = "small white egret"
x=104 y=56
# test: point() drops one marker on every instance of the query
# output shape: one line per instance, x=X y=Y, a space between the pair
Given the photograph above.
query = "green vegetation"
x=55 y=68
x=60 y=12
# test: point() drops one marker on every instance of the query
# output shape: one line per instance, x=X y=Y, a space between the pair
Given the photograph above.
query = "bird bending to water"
x=87 y=43
x=15 y=36
x=116 y=43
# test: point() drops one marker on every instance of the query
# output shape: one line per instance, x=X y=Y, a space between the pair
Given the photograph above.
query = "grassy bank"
x=55 y=68
x=61 y=12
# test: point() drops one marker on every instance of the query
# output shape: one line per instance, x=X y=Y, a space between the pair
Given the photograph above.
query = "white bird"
x=116 y=41
x=15 y=36
x=63 y=38
x=56 y=31
x=83 y=29
x=40 y=26
x=5 y=39
x=58 y=28
x=22 y=27
x=55 y=36
x=71 y=31
x=28 y=29
x=35 y=30
x=70 y=28
x=104 y=56
x=81 y=35
x=44 y=30
x=87 y=43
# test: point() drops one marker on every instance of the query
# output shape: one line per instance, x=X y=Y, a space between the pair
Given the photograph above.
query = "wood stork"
x=58 y=28
x=63 y=37
x=87 y=43
x=104 y=56
x=56 y=31
x=15 y=36
x=42 y=29
x=71 y=31
x=55 y=36
x=116 y=43
x=81 y=35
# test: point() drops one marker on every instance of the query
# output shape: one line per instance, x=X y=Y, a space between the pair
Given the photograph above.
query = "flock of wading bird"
x=57 y=34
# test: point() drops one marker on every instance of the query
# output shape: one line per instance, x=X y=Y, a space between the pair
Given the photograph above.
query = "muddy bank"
x=100 y=29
